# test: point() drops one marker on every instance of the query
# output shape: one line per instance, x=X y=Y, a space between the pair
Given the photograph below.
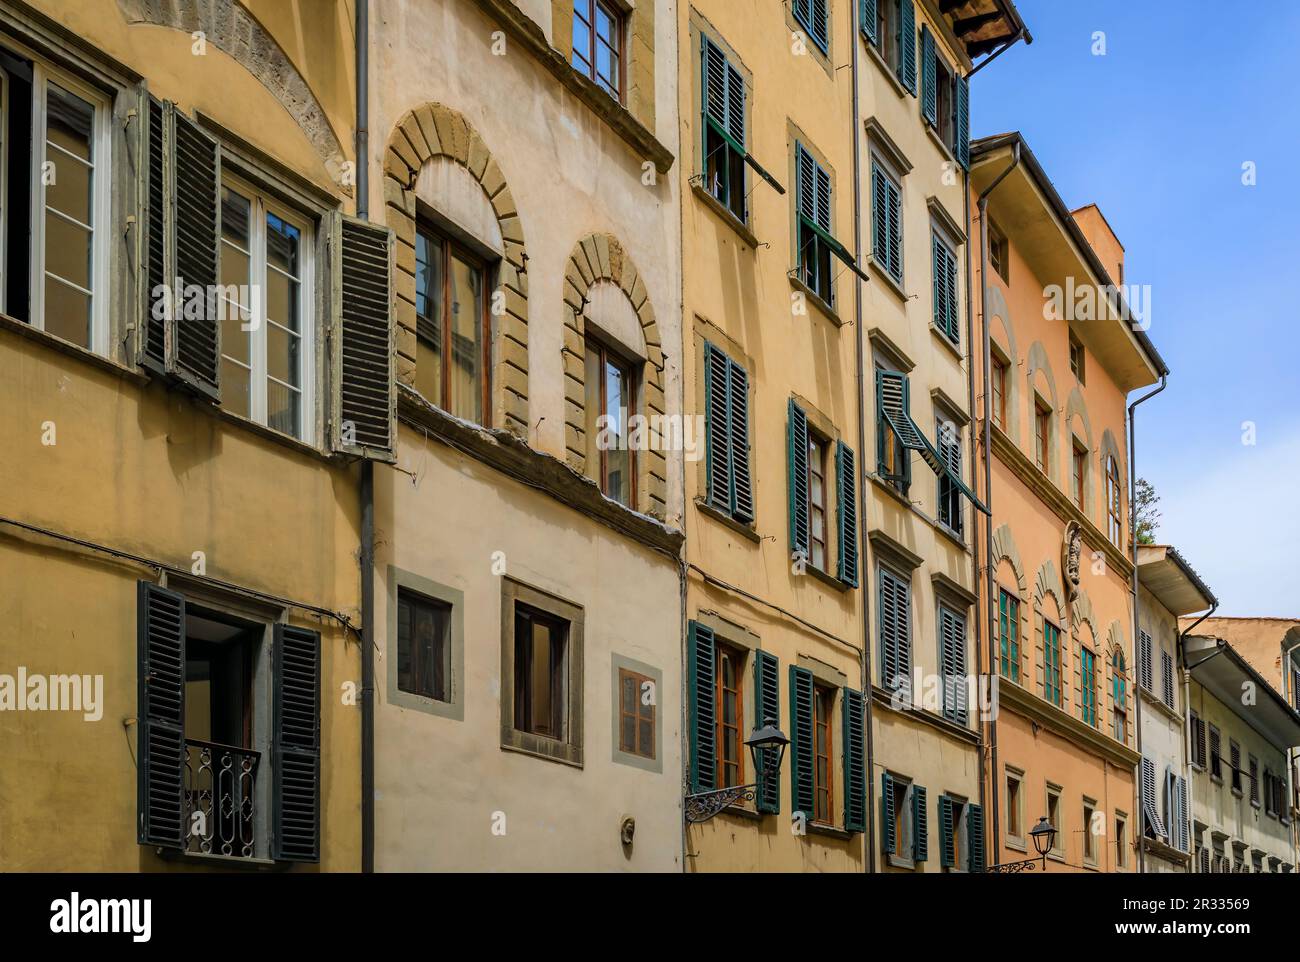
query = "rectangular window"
x=598 y=44
x=886 y=222
x=823 y=713
x=894 y=612
x=1054 y=819
x=610 y=402
x=726 y=435
x=540 y=673
x=730 y=708
x=1052 y=663
x=1254 y=780
x=451 y=322
x=1119 y=699
x=892 y=461
x=944 y=282
x=1042 y=435
x=1216 y=762
x=1009 y=634
x=1076 y=358
x=945 y=117
x=1234 y=763
x=1088 y=683
x=1121 y=841
x=999 y=258
x=636 y=714
x=724 y=130
x=948 y=436
x=423 y=646
x=1114 y=513
x=999 y=393
x=901 y=828
x=813 y=200
x=266 y=349
x=1080 y=463
x=814 y=17
x=1089 y=839
x=888 y=40
x=817 y=526
x=1015 y=807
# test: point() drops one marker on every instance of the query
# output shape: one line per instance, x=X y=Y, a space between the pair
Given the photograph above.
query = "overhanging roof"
x=1223 y=671
x=984 y=25
x=1053 y=244
x=1164 y=573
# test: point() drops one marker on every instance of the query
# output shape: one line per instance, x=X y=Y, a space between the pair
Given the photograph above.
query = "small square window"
x=423 y=646
x=636 y=709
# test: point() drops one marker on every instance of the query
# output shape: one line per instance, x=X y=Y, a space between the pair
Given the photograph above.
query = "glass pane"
x=71 y=190
x=234 y=339
x=67 y=250
x=282 y=299
x=282 y=350
x=282 y=407
x=428 y=320
x=67 y=312
x=282 y=243
x=540 y=680
x=466 y=340
x=591 y=390
x=581 y=35
x=69 y=123
x=234 y=387
x=646 y=735
x=628 y=736
x=234 y=219
x=618 y=459
x=234 y=276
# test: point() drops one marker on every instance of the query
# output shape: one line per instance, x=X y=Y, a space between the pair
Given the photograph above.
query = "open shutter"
x=767 y=707
x=717 y=426
x=797 y=437
x=846 y=492
x=855 y=771
x=700 y=667
x=742 y=504
x=947 y=850
x=195 y=349
x=920 y=825
x=155 y=196
x=1183 y=840
x=929 y=78
x=363 y=416
x=975 y=838
x=821 y=23
x=160 y=738
x=295 y=803
x=867 y=17
x=887 y=837
x=961 y=120
x=907 y=46
x=1150 y=806
x=801 y=741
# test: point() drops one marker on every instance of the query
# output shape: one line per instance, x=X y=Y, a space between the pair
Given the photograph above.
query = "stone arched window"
x=1044 y=410
x=460 y=255
x=615 y=411
x=1078 y=431
x=1118 y=694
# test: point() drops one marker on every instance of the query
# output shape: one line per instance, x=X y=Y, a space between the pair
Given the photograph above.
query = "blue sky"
x=1155 y=132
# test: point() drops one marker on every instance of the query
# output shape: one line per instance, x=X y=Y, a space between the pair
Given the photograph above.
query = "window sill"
x=727 y=216
x=953 y=535
x=826 y=578
x=721 y=516
x=829 y=831
x=85 y=355
x=897 y=861
x=740 y=811
x=816 y=299
x=562 y=753
x=888 y=279
x=223 y=863
x=874 y=54
x=946 y=341
x=938 y=141
x=270 y=434
x=1017 y=844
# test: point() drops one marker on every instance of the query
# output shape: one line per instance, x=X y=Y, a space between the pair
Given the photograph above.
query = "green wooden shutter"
x=867 y=16
x=802 y=786
x=855 y=773
x=767 y=706
x=700 y=668
x=895 y=646
x=975 y=838
x=295 y=738
x=724 y=94
x=895 y=210
x=879 y=217
x=887 y=838
x=717 y=427
x=797 y=437
x=160 y=734
x=929 y=78
x=742 y=491
x=920 y=825
x=947 y=854
x=907 y=46
x=961 y=125
x=821 y=23
x=952 y=642
x=155 y=197
x=195 y=349
x=846 y=491
x=944 y=264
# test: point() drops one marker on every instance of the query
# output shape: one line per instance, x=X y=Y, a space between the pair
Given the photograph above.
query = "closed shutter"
x=160 y=740
x=920 y=825
x=724 y=94
x=947 y=818
x=1216 y=762
x=700 y=668
x=907 y=46
x=742 y=506
x=1144 y=661
x=813 y=189
x=888 y=839
x=1167 y=678
x=364 y=403
x=155 y=195
x=1183 y=840
x=867 y=16
x=821 y=22
x=196 y=347
x=801 y=741
x=717 y=426
x=929 y=78
x=961 y=121
x=855 y=772
x=797 y=438
x=952 y=644
x=886 y=223
x=945 y=289
x=846 y=491
x=1203 y=860
x=767 y=710
x=1150 y=807
x=295 y=807
x=895 y=644
x=975 y=838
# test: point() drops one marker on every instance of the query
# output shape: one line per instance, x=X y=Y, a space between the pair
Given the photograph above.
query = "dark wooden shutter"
x=1144 y=661
x=742 y=503
x=160 y=737
x=929 y=78
x=855 y=756
x=846 y=490
x=975 y=838
x=295 y=793
x=195 y=351
x=887 y=837
x=364 y=399
x=952 y=644
x=886 y=223
x=797 y=438
x=806 y=183
x=801 y=741
x=961 y=124
x=1183 y=840
x=947 y=817
x=717 y=427
x=1167 y=682
x=895 y=653
x=767 y=706
x=700 y=668
x=1150 y=805
x=867 y=17
x=155 y=196
x=907 y=46
x=920 y=825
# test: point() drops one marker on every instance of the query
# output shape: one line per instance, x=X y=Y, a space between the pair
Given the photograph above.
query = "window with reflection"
x=451 y=361
x=541 y=704
x=598 y=44
x=730 y=665
x=610 y=401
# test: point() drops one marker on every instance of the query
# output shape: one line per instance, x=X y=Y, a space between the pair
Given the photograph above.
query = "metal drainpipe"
x=864 y=577
x=1187 y=732
x=367 y=486
x=988 y=466
x=1133 y=590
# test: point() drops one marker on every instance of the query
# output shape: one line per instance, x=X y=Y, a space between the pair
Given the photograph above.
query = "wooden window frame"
x=999 y=252
x=639 y=681
x=1049 y=667
x=999 y=386
x=607 y=355
x=1089 y=853
x=1121 y=842
x=1042 y=437
x=824 y=701
x=1015 y=807
x=1119 y=698
x=741 y=657
x=1077 y=360
x=409 y=596
x=1114 y=504
x=1079 y=466
x=1011 y=659
x=1088 y=687
x=619 y=18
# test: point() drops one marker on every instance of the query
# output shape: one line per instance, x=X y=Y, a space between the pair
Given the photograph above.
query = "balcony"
x=220 y=794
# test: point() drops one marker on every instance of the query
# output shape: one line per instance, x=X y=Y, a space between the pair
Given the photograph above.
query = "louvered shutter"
x=797 y=438
x=887 y=837
x=742 y=504
x=1167 y=679
x=364 y=398
x=155 y=193
x=879 y=217
x=821 y=23
x=195 y=350
x=846 y=490
x=801 y=741
x=920 y=825
x=947 y=819
x=929 y=78
x=895 y=644
x=1204 y=860
x=855 y=771
x=868 y=14
x=975 y=838
x=952 y=640
x=961 y=120
x=1150 y=808
x=1171 y=805
x=806 y=186
x=1183 y=841
x=895 y=208
x=160 y=739
x=1145 y=674
x=767 y=708
x=724 y=93
x=907 y=46
x=295 y=803
x=945 y=289
x=717 y=426
x=700 y=668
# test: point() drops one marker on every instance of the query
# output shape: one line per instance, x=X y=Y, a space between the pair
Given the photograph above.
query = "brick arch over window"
x=596 y=258
x=229 y=27
x=435 y=130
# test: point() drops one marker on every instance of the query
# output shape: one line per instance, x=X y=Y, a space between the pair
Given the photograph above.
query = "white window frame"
x=260 y=204
x=101 y=185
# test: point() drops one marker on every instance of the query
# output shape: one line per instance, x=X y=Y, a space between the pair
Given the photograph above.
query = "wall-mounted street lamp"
x=767 y=749
x=1044 y=836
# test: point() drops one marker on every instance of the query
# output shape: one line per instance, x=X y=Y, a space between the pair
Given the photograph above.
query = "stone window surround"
x=454 y=707
x=620 y=662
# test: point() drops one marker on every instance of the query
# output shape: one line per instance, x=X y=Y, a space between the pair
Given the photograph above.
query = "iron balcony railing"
x=220 y=794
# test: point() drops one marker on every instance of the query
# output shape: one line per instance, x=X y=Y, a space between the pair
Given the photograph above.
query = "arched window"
x=1119 y=697
x=611 y=392
x=1115 y=526
x=1088 y=685
x=1052 y=662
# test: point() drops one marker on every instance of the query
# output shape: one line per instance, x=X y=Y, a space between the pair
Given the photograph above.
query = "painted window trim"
x=617 y=755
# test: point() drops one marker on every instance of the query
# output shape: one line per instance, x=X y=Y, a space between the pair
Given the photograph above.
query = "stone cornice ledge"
x=512 y=456
x=524 y=30
x=1065 y=725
